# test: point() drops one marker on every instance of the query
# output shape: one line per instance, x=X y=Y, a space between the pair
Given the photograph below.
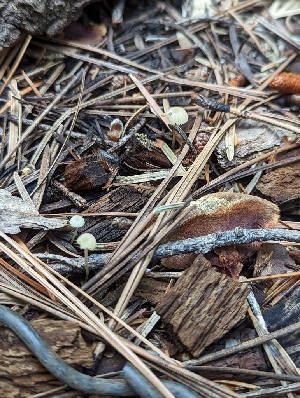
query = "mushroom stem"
x=87 y=242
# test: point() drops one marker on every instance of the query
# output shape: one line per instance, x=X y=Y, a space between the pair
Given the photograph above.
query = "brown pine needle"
x=275 y=276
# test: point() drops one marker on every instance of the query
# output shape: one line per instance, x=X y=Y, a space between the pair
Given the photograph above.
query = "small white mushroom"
x=86 y=242
x=76 y=222
x=177 y=115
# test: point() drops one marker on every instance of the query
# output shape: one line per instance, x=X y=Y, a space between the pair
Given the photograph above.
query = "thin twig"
x=204 y=244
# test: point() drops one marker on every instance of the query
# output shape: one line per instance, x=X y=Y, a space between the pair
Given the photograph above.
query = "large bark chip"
x=36 y=17
x=203 y=306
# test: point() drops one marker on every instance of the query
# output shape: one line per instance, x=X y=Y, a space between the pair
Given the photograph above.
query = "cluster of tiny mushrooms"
x=87 y=241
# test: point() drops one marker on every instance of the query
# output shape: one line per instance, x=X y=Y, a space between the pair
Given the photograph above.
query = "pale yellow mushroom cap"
x=177 y=115
x=77 y=221
x=87 y=241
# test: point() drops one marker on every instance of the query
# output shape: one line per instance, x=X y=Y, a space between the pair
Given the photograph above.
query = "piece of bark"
x=143 y=155
x=282 y=184
x=203 y=306
x=126 y=198
x=254 y=138
x=85 y=174
x=21 y=374
x=252 y=359
x=273 y=258
x=286 y=312
x=152 y=290
x=36 y=18
x=16 y=213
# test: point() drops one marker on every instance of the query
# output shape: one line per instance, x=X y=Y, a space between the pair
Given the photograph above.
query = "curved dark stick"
x=145 y=389
x=65 y=373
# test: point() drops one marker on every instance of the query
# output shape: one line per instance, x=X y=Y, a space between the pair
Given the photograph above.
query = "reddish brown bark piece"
x=281 y=185
x=21 y=374
x=203 y=306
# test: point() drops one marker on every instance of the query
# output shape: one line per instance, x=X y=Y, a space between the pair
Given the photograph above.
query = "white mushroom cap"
x=87 y=241
x=177 y=115
x=77 y=221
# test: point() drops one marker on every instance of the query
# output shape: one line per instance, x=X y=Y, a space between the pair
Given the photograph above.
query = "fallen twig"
x=206 y=243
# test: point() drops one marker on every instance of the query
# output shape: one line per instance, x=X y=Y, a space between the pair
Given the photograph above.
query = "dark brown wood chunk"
x=203 y=306
x=152 y=290
x=85 y=174
x=247 y=359
x=281 y=185
x=273 y=258
x=125 y=198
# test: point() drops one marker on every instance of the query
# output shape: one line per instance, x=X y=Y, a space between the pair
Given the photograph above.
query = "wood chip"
x=203 y=306
x=21 y=374
x=16 y=213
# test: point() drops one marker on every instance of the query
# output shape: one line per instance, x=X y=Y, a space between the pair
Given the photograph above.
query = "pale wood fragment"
x=16 y=213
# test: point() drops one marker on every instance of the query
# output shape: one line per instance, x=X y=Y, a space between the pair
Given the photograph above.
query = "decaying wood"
x=19 y=16
x=21 y=374
x=152 y=290
x=253 y=138
x=283 y=310
x=273 y=258
x=16 y=213
x=127 y=198
x=203 y=306
x=283 y=184
x=249 y=359
x=85 y=174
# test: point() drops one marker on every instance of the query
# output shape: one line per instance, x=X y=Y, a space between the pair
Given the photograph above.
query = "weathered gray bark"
x=36 y=17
